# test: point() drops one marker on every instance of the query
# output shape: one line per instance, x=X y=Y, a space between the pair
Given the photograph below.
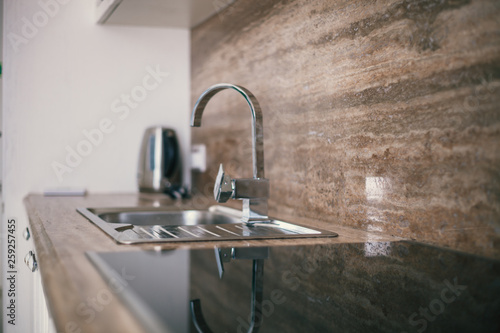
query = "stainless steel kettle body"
x=160 y=165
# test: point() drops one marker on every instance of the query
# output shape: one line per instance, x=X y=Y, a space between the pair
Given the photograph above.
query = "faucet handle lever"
x=224 y=186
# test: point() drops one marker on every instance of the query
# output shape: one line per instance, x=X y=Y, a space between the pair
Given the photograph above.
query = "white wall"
x=63 y=79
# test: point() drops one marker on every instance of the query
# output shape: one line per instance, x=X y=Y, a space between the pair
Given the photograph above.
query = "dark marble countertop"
x=359 y=287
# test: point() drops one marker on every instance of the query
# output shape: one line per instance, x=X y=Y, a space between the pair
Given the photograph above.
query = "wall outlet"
x=199 y=157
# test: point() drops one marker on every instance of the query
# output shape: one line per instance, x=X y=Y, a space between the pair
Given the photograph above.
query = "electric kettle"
x=160 y=165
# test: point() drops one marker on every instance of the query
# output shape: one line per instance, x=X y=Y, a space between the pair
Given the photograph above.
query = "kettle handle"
x=170 y=154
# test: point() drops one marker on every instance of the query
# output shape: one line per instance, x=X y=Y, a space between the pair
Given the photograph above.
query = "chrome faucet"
x=253 y=191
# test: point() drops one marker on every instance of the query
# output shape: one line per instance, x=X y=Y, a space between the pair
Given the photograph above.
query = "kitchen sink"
x=186 y=217
x=130 y=225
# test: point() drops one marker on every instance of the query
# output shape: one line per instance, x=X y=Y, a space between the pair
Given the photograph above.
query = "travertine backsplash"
x=378 y=115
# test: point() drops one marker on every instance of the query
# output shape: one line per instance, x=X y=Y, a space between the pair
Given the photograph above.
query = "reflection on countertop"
x=396 y=286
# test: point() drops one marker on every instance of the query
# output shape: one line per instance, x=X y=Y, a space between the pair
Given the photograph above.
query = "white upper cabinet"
x=163 y=13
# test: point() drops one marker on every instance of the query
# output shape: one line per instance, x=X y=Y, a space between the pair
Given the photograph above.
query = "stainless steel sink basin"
x=186 y=217
x=129 y=225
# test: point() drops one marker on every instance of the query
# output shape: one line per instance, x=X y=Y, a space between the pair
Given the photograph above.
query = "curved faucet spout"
x=257 y=125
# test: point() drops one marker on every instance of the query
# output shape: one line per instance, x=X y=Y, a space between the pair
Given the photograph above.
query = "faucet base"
x=255 y=210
